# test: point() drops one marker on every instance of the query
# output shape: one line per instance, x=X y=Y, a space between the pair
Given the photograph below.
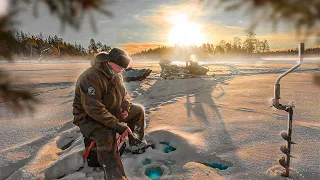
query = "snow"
x=225 y=120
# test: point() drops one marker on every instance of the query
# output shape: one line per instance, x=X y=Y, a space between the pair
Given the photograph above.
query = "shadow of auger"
x=221 y=94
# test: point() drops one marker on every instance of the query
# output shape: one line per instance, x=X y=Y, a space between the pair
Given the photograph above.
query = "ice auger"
x=286 y=149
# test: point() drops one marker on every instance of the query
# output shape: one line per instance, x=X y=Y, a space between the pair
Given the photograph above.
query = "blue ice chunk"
x=217 y=165
x=168 y=147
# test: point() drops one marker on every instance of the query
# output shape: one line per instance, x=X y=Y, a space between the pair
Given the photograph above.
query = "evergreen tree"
x=99 y=46
x=106 y=48
x=265 y=46
x=250 y=43
x=92 y=47
x=228 y=48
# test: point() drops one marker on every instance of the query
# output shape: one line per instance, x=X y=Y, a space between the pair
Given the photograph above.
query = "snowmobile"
x=131 y=74
x=192 y=69
x=193 y=66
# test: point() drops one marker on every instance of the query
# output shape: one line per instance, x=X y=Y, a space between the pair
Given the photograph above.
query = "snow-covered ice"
x=225 y=121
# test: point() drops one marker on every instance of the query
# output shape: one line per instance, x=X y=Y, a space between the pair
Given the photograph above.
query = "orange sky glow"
x=183 y=24
x=141 y=25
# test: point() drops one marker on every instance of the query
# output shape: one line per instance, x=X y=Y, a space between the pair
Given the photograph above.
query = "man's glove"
x=124 y=114
x=122 y=128
x=134 y=139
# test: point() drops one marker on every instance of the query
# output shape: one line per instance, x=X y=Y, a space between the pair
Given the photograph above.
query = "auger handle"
x=275 y=101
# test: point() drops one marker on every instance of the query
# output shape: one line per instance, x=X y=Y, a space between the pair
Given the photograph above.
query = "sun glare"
x=184 y=32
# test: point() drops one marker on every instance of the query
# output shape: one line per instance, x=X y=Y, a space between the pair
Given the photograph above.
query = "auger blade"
x=283 y=162
x=293 y=157
x=292 y=142
x=284 y=135
x=284 y=149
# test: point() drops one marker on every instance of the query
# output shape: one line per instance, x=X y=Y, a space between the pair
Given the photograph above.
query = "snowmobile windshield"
x=193 y=58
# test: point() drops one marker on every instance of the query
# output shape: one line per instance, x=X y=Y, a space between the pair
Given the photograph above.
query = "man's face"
x=115 y=67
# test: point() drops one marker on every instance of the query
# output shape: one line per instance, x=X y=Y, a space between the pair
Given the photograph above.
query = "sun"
x=184 y=32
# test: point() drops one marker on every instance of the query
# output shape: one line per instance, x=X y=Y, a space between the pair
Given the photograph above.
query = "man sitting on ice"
x=101 y=110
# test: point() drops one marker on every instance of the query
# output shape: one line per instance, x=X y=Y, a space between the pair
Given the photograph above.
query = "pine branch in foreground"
x=69 y=12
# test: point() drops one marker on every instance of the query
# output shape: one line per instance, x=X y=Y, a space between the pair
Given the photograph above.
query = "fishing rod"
x=286 y=149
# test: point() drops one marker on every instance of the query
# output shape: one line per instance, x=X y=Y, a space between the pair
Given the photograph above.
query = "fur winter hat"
x=116 y=56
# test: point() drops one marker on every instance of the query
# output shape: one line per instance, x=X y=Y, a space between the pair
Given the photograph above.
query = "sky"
x=137 y=25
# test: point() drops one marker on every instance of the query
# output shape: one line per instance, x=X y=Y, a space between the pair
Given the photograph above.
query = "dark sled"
x=131 y=74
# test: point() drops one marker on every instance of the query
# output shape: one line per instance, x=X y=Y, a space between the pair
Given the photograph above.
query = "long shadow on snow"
x=203 y=103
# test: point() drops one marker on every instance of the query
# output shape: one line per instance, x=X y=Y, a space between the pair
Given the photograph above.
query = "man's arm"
x=125 y=106
x=126 y=103
x=91 y=99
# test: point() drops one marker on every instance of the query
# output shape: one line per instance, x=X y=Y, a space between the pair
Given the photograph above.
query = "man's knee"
x=137 y=109
x=88 y=125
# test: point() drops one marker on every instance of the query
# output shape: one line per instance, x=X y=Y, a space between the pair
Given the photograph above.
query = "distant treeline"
x=252 y=46
x=309 y=52
x=26 y=45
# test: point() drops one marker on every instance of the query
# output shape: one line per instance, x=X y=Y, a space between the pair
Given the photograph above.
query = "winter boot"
x=141 y=147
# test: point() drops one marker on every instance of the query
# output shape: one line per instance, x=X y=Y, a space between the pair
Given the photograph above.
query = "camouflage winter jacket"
x=100 y=95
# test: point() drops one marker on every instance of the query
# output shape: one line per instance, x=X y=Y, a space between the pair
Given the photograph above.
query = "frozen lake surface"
x=225 y=120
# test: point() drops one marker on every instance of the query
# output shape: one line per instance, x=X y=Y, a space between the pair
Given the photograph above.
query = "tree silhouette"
x=265 y=46
x=92 y=47
x=228 y=48
x=250 y=43
x=23 y=44
x=99 y=46
x=251 y=47
x=106 y=48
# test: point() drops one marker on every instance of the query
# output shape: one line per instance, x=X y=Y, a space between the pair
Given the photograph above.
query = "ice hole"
x=154 y=173
x=168 y=147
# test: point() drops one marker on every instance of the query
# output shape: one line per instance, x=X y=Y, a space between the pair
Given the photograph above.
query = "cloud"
x=143 y=23
x=291 y=39
x=158 y=21
x=133 y=47
x=162 y=15
x=216 y=24
x=214 y=29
